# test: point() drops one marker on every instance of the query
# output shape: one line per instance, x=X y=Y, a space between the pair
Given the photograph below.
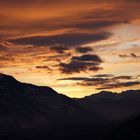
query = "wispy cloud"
x=132 y=55
x=105 y=81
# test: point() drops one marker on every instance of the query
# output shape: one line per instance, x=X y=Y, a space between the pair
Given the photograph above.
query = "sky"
x=76 y=47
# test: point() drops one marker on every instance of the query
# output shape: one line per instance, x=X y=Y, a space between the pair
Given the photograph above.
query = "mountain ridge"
x=113 y=106
x=26 y=106
x=33 y=112
x=109 y=93
x=8 y=78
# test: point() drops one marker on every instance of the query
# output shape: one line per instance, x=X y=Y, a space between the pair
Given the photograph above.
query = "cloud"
x=28 y=17
x=123 y=56
x=58 y=57
x=6 y=58
x=75 y=78
x=131 y=55
x=105 y=81
x=87 y=81
x=88 y=57
x=85 y=62
x=93 y=25
x=95 y=68
x=103 y=75
x=67 y=39
x=44 y=67
x=77 y=67
x=59 y=48
x=83 y=50
x=82 y=79
x=119 y=85
x=122 y=77
x=3 y=48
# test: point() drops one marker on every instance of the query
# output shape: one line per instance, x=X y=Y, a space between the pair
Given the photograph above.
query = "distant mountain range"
x=113 y=106
x=34 y=112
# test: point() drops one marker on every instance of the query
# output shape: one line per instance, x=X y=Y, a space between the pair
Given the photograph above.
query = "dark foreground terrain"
x=29 y=112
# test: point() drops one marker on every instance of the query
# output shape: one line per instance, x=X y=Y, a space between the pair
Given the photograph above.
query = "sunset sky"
x=77 y=47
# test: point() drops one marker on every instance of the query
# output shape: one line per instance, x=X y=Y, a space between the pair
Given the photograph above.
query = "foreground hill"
x=128 y=130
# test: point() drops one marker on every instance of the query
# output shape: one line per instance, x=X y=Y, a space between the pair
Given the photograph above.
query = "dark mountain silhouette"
x=29 y=110
x=113 y=106
x=128 y=130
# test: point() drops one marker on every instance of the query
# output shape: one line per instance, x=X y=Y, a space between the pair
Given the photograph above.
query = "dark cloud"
x=59 y=48
x=88 y=81
x=119 y=85
x=100 y=77
x=131 y=55
x=83 y=79
x=88 y=57
x=90 y=19
x=75 y=78
x=77 y=23
x=92 y=22
x=25 y=2
x=6 y=58
x=85 y=23
x=49 y=2
x=123 y=56
x=134 y=55
x=3 y=48
x=77 y=67
x=4 y=35
x=133 y=0
x=95 y=68
x=90 y=25
x=103 y=75
x=85 y=49
x=71 y=39
x=105 y=81
x=81 y=63
x=122 y=77
x=43 y=67
x=58 y=57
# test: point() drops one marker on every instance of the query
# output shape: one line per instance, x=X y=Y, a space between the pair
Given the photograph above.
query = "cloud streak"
x=132 y=55
x=105 y=81
x=68 y=39
x=119 y=85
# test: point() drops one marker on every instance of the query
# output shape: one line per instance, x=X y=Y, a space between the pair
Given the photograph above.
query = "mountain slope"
x=114 y=106
x=129 y=129
x=27 y=108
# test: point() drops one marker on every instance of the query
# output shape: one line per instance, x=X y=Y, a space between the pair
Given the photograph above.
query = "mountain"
x=129 y=129
x=29 y=112
x=32 y=111
x=113 y=106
